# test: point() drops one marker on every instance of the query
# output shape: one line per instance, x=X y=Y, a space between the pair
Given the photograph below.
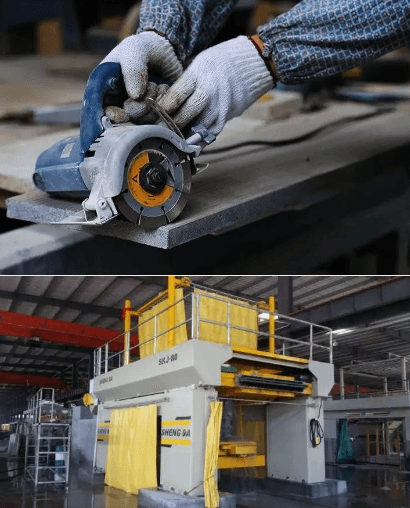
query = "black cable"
x=316 y=430
x=299 y=139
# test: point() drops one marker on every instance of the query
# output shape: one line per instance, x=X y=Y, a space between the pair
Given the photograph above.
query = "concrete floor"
x=368 y=487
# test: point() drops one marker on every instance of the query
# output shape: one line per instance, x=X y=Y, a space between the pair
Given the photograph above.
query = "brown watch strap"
x=268 y=62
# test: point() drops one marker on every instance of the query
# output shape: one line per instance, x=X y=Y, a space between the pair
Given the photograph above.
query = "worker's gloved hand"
x=219 y=85
x=139 y=111
x=141 y=55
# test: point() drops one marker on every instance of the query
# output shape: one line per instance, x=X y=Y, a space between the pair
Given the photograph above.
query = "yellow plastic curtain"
x=132 y=449
x=147 y=331
x=213 y=433
x=214 y=309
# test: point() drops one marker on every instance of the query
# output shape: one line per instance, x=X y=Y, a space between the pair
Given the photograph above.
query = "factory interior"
x=328 y=191
x=237 y=139
x=204 y=391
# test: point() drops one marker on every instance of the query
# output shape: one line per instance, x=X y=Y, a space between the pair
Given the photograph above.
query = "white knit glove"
x=219 y=85
x=141 y=55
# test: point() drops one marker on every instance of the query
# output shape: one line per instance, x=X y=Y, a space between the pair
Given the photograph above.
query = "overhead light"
x=265 y=316
x=342 y=331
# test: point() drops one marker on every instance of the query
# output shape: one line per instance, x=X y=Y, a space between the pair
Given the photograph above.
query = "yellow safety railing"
x=172 y=317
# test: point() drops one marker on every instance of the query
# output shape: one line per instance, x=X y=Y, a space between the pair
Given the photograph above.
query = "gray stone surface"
x=39 y=207
x=159 y=499
x=329 y=487
x=253 y=183
x=281 y=487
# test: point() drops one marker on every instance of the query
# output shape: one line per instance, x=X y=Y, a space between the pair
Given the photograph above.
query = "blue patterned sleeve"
x=190 y=25
x=318 y=38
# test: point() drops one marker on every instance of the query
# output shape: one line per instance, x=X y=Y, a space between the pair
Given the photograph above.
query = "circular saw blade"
x=153 y=209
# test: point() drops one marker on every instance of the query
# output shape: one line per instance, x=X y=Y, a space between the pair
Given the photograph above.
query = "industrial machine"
x=208 y=366
x=142 y=172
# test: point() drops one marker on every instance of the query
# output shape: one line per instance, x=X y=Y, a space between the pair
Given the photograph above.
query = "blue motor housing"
x=57 y=168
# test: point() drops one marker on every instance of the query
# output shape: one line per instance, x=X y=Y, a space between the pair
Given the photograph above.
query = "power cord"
x=316 y=430
x=304 y=137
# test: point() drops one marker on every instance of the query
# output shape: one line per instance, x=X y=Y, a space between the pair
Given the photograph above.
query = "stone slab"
x=18 y=158
x=329 y=487
x=160 y=499
x=294 y=242
x=252 y=183
x=282 y=487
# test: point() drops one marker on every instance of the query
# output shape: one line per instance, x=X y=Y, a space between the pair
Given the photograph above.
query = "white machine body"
x=182 y=382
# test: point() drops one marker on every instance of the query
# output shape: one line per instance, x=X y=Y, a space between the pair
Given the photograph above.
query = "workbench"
x=258 y=209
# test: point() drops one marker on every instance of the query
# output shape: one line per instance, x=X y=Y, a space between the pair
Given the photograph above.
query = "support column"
x=182 y=467
x=342 y=383
x=271 y=325
x=285 y=295
x=385 y=386
x=404 y=375
x=387 y=436
x=356 y=356
x=171 y=311
x=290 y=454
x=127 y=331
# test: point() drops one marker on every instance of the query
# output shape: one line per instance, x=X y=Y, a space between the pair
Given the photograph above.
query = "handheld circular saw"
x=140 y=172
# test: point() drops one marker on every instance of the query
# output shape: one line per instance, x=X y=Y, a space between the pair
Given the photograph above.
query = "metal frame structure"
x=393 y=366
x=47 y=442
x=42 y=454
x=37 y=403
x=319 y=338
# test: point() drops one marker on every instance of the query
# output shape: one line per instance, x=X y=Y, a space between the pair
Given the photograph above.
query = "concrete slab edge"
x=148 y=498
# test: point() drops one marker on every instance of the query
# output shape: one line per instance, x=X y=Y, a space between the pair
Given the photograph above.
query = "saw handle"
x=104 y=79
